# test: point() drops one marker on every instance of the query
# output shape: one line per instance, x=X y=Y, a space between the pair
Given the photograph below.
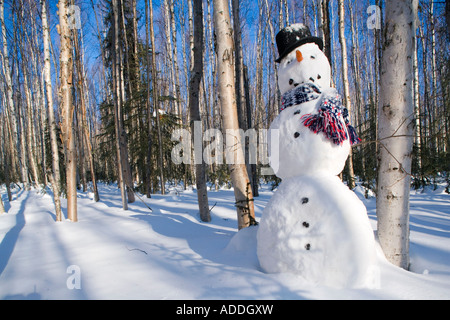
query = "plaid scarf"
x=300 y=94
x=332 y=119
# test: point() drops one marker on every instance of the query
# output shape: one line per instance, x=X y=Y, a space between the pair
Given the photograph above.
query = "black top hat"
x=294 y=36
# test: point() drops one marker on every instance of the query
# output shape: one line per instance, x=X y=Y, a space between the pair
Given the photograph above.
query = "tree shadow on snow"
x=31 y=296
x=212 y=254
x=9 y=241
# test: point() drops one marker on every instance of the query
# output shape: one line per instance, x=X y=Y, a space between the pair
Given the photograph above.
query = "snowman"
x=313 y=226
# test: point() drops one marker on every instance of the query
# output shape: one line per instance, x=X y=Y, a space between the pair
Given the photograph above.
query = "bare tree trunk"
x=244 y=115
x=251 y=168
x=447 y=16
x=22 y=149
x=326 y=32
x=127 y=174
x=37 y=87
x=7 y=152
x=173 y=56
x=434 y=79
x=118 y=107
x=84 y=132
x=156 y=100
x=3 y=150
x=169 y=50
x=29 y=114
x=274 y=52
x=106 y=94
x=16 y=152
x=23 y=146
x=417 y=138
x=2 y=207
x=176 y=70
x=286 y=11
x=67 y=109
x=137 y=74
x=194 y=90
x=347 y=100
x=396 y=131
x=239 y=177
x=185 y=73
x=259 y=99
x=148 y=171
x=428 y=127
x=55 y=175
x=238 y=63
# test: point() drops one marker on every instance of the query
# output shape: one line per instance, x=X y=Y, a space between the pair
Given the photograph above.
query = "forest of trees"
x=93 y=90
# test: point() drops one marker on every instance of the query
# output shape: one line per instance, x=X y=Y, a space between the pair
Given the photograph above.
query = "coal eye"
x=318 y=76
x=313 y=57
x=291 y=81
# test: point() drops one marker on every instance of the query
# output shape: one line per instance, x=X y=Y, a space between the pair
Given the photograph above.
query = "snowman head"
x=306 y=63
x=301 y=58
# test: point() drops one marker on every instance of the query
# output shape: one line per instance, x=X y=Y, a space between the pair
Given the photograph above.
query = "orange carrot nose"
x=299 y=56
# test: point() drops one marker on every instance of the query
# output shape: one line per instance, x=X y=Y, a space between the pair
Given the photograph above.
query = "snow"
x=170 y=254
x=296 y=27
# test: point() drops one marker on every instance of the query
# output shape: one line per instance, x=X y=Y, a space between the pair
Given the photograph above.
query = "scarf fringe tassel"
x=333 y=128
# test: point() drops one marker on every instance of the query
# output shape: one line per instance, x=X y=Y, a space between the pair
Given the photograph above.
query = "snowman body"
x=313 y=226
x=297 y=150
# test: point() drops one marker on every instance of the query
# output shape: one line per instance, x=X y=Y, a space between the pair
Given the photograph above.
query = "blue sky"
x=249 y=9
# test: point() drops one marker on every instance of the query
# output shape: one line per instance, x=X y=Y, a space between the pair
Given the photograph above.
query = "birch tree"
x=347 y=100
x=118 y=119
x=226 y=82
x=9 y=92
x=2 y=208
x=67 y=109
x=156 y=99
x=194 y=90
x=325 y=28
x=28 y=115
x=55 y=174
x=239 y=64
x=148 y=106
x=82 y=118
x=396 y=130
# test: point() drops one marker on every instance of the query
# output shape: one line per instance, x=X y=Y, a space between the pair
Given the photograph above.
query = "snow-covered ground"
x=170 y=254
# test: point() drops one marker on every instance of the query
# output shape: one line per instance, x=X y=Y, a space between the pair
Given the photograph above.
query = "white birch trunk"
x=176 y=83
x=156 y=99
x=347 y=100
x=417 y=137
x=194 y=91
x=30 y=115
x=2 y=208
x=67 y=109
x=118 y=107
x=9 y=92
x=55 y=176
x=396 y=131
x=434 y=79
x=239 y=177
